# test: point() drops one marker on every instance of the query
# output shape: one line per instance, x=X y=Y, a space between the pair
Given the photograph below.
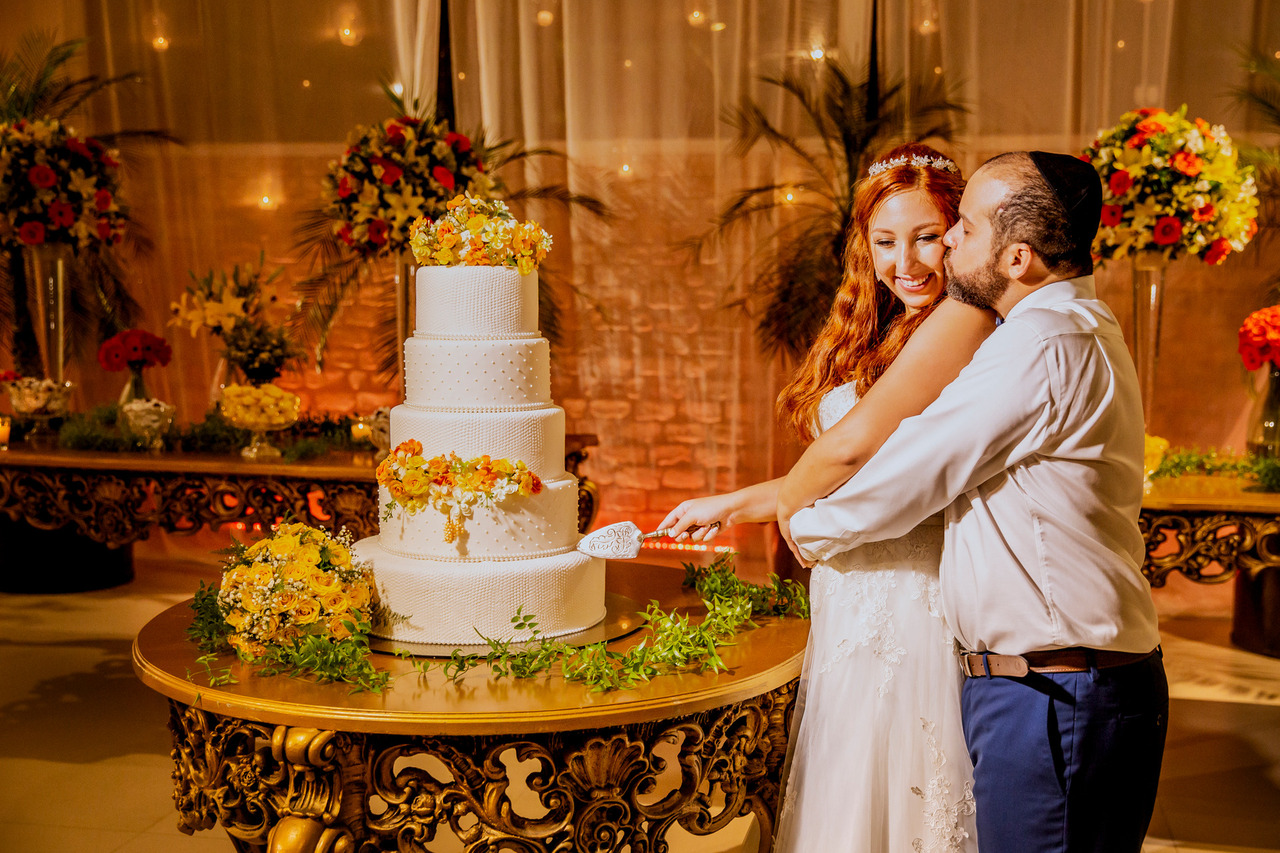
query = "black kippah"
x=1077 y=187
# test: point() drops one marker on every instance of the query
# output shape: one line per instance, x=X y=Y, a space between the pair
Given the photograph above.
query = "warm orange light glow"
x=159 y=44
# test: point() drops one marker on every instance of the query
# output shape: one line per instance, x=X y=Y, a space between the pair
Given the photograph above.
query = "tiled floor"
x=84 y=761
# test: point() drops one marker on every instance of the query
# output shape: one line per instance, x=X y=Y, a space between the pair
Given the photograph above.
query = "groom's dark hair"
x=1054 y=205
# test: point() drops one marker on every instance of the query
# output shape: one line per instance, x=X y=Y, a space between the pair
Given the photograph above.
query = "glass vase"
x=47 y=267
x=135 y=388
x=1148 y=304
x=1263 y=439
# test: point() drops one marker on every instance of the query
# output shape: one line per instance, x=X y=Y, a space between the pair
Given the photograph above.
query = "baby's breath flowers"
x=478 y=232
x=450 y=484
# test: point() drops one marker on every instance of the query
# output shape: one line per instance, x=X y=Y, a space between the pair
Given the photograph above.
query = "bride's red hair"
x=867 y=327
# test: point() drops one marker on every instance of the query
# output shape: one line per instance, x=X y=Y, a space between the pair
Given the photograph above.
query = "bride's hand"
x=701 y=513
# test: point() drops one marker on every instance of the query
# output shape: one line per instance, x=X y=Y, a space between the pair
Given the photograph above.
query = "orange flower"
x=1188 y=163
x=1204 y=213
x=1151 y=126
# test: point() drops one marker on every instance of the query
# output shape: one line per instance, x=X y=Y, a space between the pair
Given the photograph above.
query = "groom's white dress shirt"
x=1035 y=452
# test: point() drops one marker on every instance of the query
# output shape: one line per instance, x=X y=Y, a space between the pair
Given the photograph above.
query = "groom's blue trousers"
x=1067 y=762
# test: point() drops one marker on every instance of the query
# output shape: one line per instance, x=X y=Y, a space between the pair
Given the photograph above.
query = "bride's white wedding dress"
x=878 y=762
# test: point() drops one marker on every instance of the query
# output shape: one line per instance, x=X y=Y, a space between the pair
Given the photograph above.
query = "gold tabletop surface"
x=760 y=660
x=1209 y=493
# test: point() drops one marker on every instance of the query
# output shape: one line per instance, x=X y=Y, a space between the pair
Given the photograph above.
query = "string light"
x=160 y=44
x=546 y=18
x=686 y=546
x=718 y=26
x=306 y=84
x=697 y=18
x=626 y=63
x=1120 y=44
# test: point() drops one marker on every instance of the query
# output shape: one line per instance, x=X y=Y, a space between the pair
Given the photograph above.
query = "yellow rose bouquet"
x=293 y=601
x=478 y=232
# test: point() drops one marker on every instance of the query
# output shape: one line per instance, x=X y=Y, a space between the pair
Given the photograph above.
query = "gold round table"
x=291 y=766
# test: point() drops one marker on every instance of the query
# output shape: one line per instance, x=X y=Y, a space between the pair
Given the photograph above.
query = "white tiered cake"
x=478 y=383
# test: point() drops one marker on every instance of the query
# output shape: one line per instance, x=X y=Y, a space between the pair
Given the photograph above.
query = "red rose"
x=1119 y=182
x=161 y=352
x=395 y=132
x=378 y=232
x=1112 y=214
x=1203 y=214
x=10 y=376
x=61 y=214
x=410 y=120
x=479 y=165
x=109 y=161
x=111 y=355
x=1085 y=158
x=102 y=200
x=42 y=176
x=78 y=147
x=134 y=343
x=1187 y=163
x=1167 y=231
x=390 y=171
x=1146 y=111
x=344 y=186
x=344 y=233
x=458 y=141
x=31 y=233
x=1250 y=357
x=444 y=177
x=1218 y=251
x=104 y=229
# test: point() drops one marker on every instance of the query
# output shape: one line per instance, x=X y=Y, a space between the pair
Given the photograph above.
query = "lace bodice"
x=835 y=404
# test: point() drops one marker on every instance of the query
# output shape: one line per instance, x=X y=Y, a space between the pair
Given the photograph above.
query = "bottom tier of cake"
x=450 y=601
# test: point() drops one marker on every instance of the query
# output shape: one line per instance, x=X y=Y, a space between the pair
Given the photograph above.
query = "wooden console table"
x=1216 y=530
x=289 y=766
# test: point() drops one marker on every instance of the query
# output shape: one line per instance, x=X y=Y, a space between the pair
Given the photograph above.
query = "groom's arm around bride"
x=1035 y=453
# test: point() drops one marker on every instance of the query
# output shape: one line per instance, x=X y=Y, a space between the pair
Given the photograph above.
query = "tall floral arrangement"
x=1172 y=186
x=394 y=172
x=57 y=187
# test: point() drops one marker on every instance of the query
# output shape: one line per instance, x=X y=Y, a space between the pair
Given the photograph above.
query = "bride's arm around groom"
x=1035 y=453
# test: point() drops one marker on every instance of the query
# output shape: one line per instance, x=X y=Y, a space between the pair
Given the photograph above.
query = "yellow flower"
x=321 y=582
x=306 y=611
x=284 y=600
x=335 y=601
x=359 y=595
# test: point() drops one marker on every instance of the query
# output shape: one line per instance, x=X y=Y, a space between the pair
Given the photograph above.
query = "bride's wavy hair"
x=868 y=326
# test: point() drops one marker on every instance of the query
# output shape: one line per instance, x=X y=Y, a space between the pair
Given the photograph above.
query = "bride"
x=877 y=761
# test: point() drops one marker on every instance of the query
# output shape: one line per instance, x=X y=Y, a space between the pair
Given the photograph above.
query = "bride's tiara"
x=942 y=164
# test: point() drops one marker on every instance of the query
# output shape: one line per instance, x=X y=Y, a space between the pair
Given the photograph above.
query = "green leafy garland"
x=674 y=643
x=1183 y=461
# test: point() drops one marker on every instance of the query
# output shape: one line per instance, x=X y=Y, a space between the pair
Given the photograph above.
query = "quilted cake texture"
x=478 y=383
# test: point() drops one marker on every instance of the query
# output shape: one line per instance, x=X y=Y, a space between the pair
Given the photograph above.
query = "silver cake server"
x=621 y=541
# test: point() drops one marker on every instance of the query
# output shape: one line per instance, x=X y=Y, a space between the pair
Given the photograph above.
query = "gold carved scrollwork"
x=299 y=790
x=1207 y=547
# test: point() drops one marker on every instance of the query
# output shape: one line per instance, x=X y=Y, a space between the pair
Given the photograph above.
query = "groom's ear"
x=1016 y=260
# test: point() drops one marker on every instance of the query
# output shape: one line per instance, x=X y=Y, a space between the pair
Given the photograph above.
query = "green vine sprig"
x=674 y=643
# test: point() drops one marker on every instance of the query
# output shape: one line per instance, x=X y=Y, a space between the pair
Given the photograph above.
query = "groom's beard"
x=982 y=287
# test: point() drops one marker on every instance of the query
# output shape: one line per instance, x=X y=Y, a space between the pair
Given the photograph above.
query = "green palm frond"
x=842 y=122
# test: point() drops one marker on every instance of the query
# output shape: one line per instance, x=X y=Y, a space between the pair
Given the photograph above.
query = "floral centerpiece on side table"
x=1172 y=187
x=260 y=409
x=142 y=417
x=236 y=309
x=293 y=602
x=1260 y=347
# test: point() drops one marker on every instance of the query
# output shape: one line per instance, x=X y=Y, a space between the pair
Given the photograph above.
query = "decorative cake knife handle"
x=666 y=531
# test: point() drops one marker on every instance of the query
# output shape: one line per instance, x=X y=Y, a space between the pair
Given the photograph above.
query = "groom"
x=1036 y=455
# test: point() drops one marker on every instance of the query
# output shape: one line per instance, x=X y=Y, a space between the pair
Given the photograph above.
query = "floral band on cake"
x=942 y=164
x=478 y=232
x=450 y=484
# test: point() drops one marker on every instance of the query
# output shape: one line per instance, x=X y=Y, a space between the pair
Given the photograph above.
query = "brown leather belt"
x=1075 y=659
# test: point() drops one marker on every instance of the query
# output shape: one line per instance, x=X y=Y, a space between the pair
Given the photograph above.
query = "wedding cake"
x=481 y=518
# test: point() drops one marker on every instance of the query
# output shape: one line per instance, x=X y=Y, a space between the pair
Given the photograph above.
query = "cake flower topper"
x=478 y=232
x=450 y=484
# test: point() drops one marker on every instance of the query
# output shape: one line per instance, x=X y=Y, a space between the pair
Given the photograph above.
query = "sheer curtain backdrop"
x=634 y=91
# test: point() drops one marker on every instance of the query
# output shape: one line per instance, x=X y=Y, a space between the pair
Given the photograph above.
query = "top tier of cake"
x=487 y=303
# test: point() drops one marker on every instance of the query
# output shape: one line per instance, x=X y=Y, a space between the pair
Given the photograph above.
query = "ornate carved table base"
x=1214 y=530
x=290 y=789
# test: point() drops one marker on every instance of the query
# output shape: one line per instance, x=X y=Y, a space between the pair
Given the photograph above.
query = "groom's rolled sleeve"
x=986 y=420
